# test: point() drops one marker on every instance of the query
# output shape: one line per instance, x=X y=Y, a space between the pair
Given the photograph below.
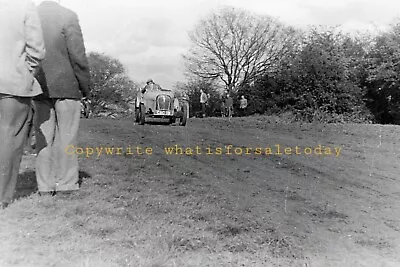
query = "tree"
x=110 y=84
x=237 y=47
x=319 y=81
x=384 y=76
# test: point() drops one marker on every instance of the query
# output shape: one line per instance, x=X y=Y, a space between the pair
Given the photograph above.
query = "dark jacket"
x=65 y=69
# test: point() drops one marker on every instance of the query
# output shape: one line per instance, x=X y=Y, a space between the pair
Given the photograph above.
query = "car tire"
x=184 y=115
x=142 y=114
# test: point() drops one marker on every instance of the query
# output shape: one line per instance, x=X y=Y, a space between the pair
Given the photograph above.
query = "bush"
x=318 y=83
x=112 y=89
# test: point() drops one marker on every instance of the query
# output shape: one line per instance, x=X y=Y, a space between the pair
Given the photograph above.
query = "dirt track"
x=338 y=209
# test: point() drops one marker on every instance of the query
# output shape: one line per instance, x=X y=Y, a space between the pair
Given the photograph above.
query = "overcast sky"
x=149 y=36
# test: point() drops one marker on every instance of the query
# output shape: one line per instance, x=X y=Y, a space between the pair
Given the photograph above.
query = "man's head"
x=242 y=96
x=149 y=81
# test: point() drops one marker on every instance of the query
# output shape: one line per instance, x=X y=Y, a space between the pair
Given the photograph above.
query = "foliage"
x=384 y=76
x=320 y=81
x=111 y=87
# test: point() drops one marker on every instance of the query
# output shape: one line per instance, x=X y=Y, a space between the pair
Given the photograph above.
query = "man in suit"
x=21 y=50
x=65 y=79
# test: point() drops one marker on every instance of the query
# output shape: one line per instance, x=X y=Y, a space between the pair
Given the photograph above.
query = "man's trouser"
x=242 y=112
x=203 y=109
x=56 y=129
x=230 y=112
x=15 y=116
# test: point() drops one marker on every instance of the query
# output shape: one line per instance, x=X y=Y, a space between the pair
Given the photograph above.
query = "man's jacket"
x=21 y=47
x=65 y=69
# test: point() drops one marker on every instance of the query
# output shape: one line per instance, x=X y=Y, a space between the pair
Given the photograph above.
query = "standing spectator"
x=229 y=105
x=243 y=106
x=21 y=50
x=203 y=102
x=222 y=105
x=65 y=80
x=208 y=106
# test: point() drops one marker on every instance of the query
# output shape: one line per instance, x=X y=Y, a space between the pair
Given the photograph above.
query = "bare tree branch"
x=237 y=47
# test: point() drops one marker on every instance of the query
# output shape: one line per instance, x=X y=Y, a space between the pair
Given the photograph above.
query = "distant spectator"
x=223 y=108
x=203 y=102
x=243 y=106
x=229 y=105
x=209 y=106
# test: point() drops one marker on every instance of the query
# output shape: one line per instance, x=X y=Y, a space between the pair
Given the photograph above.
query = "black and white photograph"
x=199 y=133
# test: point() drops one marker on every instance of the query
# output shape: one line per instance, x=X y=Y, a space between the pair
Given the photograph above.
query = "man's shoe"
x=47 y=193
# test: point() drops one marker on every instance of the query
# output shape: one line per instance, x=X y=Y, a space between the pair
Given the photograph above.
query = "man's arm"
x=77 y=54
x=34 y=39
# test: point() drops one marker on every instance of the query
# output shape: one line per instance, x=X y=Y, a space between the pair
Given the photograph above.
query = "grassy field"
x=205 y=207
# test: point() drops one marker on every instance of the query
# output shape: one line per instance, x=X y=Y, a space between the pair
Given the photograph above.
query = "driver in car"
x=151 y=86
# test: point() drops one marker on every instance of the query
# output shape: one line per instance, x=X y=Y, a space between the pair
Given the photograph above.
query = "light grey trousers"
x=15 y=117
x=56 y=128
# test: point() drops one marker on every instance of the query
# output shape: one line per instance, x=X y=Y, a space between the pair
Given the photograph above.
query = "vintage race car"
x=161 y=104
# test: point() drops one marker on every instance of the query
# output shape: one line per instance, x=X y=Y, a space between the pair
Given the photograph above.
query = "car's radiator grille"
x=163 y=102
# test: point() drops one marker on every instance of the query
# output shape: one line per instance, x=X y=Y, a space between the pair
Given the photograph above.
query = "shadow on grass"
x=27 y=184
x=83 y=175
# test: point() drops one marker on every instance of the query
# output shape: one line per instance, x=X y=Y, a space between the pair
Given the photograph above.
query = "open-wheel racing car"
x=161 y=104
